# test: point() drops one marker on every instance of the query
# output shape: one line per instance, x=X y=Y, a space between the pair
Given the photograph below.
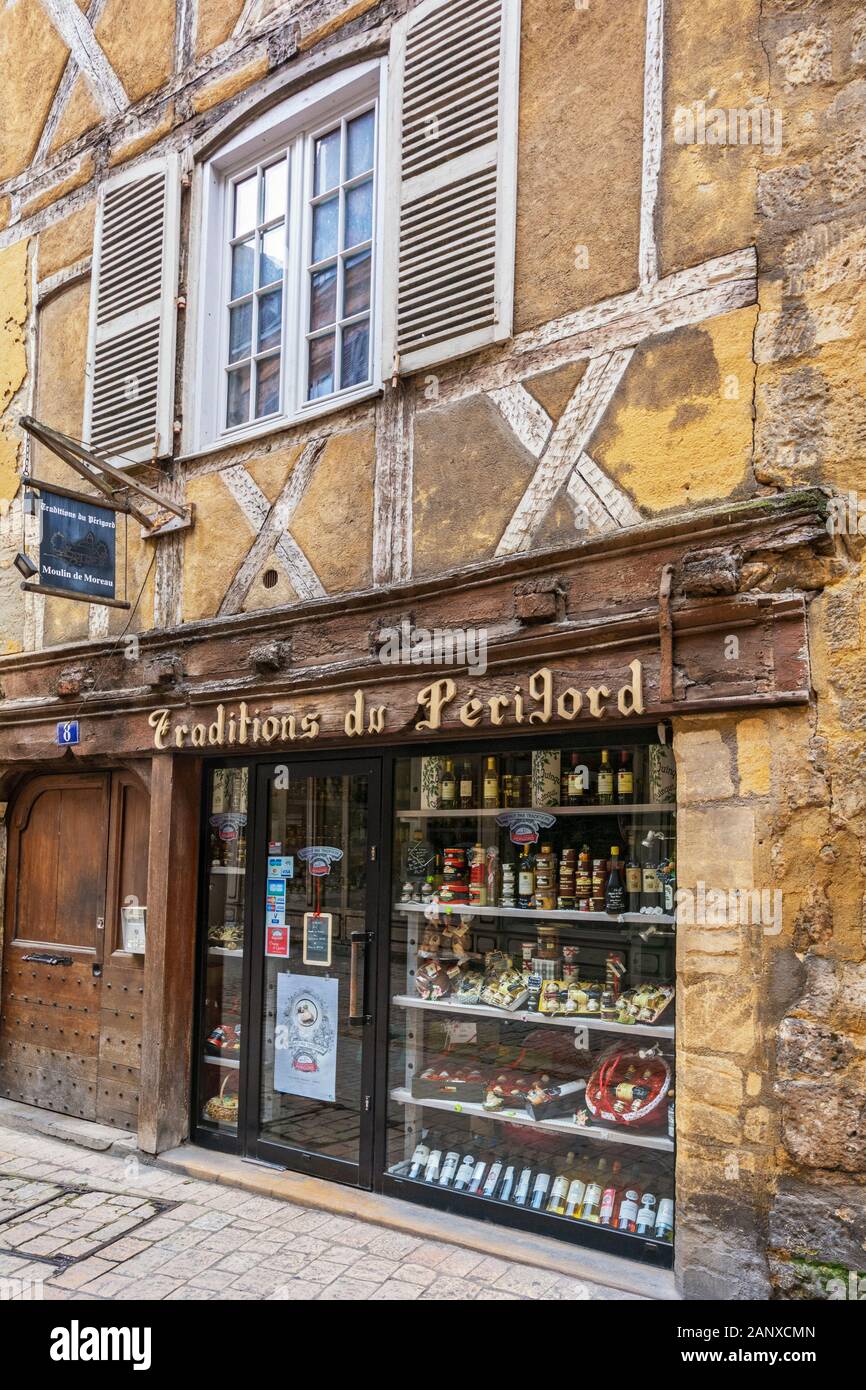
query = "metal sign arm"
x=83 y=461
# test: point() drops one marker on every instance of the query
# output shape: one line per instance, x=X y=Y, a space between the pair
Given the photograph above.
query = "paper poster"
x=305 y=1040
x=277 y=940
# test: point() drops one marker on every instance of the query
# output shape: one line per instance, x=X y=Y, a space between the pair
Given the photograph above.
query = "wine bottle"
x=467 y=791
x=604 y=781
x=615 y=893
x=448 y=787
x=624 y=779
x=491 y=785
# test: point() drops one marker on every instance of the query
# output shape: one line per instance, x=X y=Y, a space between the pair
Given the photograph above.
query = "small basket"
x=222 y=1108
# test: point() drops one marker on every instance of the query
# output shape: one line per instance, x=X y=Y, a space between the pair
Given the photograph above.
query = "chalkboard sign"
x=317 y=938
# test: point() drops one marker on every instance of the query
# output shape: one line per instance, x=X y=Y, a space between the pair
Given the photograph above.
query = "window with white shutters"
x=453 y=180
x=130 y=364
x=287 y=298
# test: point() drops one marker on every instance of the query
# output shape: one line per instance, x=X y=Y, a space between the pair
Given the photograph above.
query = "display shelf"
x=232 y=1062
x=643 y=808
x=401 y=1170
x=595 y=1025
x=224 y=951
x=403 y=1096
x=524 y=914
x=227 y=869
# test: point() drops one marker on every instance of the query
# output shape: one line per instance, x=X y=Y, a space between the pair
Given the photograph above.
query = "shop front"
x=411 y=924
x=447 y=973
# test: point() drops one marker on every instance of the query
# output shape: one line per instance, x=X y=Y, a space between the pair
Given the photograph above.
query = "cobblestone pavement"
x=81 y=1225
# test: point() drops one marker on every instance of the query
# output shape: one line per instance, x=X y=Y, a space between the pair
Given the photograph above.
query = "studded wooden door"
x=70 y=1017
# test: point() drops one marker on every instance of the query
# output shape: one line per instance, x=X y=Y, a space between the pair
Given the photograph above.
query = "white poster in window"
x=305 y=1040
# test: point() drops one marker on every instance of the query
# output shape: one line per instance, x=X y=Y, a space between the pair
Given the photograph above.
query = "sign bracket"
x=95 y=469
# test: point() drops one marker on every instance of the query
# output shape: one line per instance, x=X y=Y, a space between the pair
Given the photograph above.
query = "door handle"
x=41 y=958
x=358 y=1016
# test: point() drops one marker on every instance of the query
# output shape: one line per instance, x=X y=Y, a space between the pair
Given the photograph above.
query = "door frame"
x=251 y=1146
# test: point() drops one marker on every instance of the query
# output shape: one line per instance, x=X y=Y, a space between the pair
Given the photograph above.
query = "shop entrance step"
x=85 y=1133
x=629 y=1278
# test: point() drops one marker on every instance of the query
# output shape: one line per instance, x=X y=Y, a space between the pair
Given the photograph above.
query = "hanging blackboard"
x=317 y=938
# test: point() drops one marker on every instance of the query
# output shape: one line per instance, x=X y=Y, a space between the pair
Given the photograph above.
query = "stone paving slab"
x=132 y=1230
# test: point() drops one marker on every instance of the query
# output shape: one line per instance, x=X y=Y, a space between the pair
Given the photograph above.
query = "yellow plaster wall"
x=138 y=44
x=470 y=472
x=713 y=53
x=80 y=115
x=581 y=97
x=334 y=522
x=32 y=58
x=64 y=242
x=13 y=354
x=679 y=431
x=215 y=22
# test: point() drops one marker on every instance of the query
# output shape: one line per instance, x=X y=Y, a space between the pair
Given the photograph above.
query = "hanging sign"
x=318 y=930
x=319 y=858
x=305 y=1039
x=77 y=546
x=525 y=827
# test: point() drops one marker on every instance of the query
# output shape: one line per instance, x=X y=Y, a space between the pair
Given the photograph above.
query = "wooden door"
x=122 y=999
x=70 y=1015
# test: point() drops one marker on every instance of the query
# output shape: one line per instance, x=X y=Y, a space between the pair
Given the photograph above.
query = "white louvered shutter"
x=449 y=262
x=130 y=360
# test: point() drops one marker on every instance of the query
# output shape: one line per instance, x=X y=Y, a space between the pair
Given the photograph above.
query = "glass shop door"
x=310 y=1082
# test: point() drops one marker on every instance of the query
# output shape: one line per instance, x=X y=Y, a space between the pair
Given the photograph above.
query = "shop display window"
x=531 y=1067
x=225 y=871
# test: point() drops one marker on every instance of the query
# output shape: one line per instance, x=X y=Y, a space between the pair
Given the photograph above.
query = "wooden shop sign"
x=546 y=698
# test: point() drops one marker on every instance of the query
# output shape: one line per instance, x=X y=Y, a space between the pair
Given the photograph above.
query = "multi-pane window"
x=299 y=276
x=259 y=206
x=340 y=257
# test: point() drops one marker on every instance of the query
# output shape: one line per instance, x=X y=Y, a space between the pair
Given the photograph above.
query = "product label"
x=605 y=783
x=606 y=1213
x=650 y=881
x=591 y=1200
x=625 y=783
x=525 y=884
x=492 y=1179
x=632 y=879
x=628 y=1212
x=575 y=1197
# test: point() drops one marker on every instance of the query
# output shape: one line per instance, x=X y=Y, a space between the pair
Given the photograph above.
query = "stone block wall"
x=771 y=1101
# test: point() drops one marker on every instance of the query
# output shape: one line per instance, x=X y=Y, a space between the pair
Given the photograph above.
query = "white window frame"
x=292 y=126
